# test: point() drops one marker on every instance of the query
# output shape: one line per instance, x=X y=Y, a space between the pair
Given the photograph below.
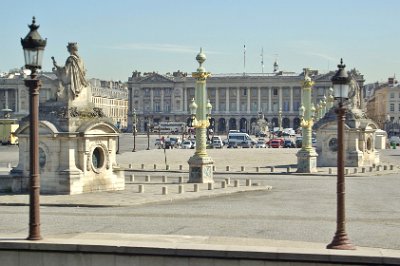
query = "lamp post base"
x=200 y=169
x=307 y=161
x=341 y=241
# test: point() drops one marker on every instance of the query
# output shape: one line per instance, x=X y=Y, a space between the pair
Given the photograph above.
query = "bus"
x=171 y=127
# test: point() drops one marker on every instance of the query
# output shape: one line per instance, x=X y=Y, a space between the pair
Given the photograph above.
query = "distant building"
x=111 y=96
x=237 y=99
x=383 y=105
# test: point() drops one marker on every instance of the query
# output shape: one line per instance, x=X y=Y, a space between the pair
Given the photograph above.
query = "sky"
x=118 y=37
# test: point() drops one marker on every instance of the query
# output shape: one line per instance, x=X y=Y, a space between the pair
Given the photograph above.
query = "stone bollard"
x=242 y=168
x=167 y=167
x=180 y=167
x=228 y=180
x=248 y=182
x=164 y=190
x=155 y=166
x=223 y=184
x=196 y=187
x=355 y=170
x=8 y=165
x=180 y=179
x=346 y=171
x=210 y=186
x=228 y=168
x=142 y=165
x=130 y=166
x=288 y=169
x=272 y=169
x=147 y=179
x=257 y=169
x=391 y=167
x=213 y=168
x=141 y=189
x=363 y=170
x=385 y=167
x=236 y=183
x=181 y=189
x=330 y=171
x=132 y=178
x=164 y=179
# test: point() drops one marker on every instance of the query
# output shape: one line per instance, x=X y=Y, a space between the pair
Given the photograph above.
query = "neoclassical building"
x=237 y=99
x=111 y=96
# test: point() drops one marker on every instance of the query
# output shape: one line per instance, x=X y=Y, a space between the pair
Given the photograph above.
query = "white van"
x=216 y=142
x=239 y=140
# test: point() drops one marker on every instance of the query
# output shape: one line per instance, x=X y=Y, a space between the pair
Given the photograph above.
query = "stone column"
x=269 y=100
x=291 y=100
x=151 y=100
x=238 y=99
x=162 y=100
x=248 y=100
x=227 y=100
x=216 y=99
x=259 y=99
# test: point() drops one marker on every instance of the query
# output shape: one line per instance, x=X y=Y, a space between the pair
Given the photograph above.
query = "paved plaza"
x=279 y=206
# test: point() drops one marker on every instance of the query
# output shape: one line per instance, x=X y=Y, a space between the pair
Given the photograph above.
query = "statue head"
x=72 y=47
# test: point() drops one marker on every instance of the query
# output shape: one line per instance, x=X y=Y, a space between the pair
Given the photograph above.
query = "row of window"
x=391 y=107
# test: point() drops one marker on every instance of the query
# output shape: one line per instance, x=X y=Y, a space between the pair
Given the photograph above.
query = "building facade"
x=383 y=106
x=111 y=96
x=237 y=99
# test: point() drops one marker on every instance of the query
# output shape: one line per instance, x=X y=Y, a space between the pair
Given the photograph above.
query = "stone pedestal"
x=77 y=152
x=200 y=169
x=307 y=161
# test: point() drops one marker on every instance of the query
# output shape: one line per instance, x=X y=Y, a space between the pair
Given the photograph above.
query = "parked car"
x=217 y=143
x=288 y=143
x=159 y=143
x=299 y=142
x=276 y=143
x=261 y=143
x=394 y=140
x=246 y=144
x=187 y=144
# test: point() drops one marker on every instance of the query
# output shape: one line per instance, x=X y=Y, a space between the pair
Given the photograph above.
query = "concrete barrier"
x=248 y=182
x=210 y=186
x=196 y=187
x=141 y=188
x=164 y=190
x=181 y=189
x=272 y=169
x=223 y=184
x=288 y=169
x=236 y=183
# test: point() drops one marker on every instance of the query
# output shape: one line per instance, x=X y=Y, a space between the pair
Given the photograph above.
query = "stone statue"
x=72 y=75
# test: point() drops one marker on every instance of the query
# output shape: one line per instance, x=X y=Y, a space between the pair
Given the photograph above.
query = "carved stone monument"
x=77 y=149
x=359 y=135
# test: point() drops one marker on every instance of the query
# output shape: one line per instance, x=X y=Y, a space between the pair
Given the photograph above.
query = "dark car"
x=299 y=142
x=288 y=143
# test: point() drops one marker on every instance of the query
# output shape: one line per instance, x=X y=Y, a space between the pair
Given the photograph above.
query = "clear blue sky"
x=120 y=36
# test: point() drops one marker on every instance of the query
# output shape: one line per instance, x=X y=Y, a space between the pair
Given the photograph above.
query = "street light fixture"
x=33 y=46
x=134 y=124
x=340 y=83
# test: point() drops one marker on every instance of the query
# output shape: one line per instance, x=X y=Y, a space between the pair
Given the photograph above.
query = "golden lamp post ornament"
x=307 y=157
x=200 y=164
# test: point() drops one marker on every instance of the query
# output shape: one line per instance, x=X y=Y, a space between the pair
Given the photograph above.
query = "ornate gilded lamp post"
x=306 y=156
x=134 y=125
x=340 y=83
x=200 y=164
x=330 y=100
x=33 y=46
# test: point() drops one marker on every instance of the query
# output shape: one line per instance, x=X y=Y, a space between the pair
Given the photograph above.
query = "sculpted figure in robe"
x=72 y=75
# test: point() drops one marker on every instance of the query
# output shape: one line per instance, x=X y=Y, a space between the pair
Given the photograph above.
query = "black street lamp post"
x=33 y=46
x=340 y=83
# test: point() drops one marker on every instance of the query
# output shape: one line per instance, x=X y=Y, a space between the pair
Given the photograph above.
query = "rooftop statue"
x=72 y=75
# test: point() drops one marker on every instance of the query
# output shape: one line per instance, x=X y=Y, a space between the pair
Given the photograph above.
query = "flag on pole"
x=262 y=59
x=244 y=58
